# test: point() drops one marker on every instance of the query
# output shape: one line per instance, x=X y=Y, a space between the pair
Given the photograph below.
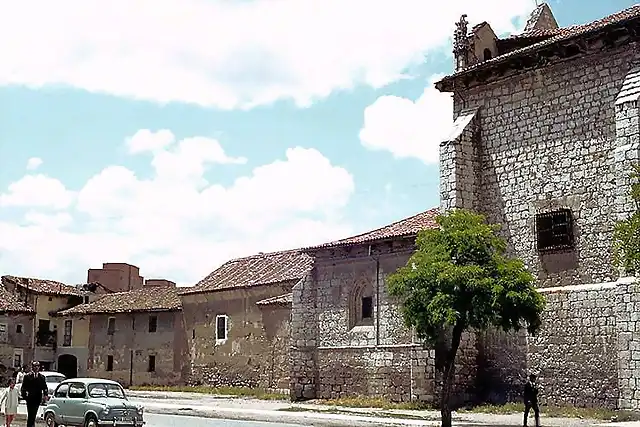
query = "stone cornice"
x=583 y=44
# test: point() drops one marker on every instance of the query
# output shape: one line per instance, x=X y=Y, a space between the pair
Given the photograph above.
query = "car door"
x=76 y=402
x=60 y=402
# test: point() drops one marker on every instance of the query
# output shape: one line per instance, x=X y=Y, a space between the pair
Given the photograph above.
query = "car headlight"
x=140 y=410
x=106 y=410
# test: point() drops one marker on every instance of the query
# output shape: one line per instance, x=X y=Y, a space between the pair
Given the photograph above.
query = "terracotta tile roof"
x=279 y=300
x=404 y=228
x=555 y=36
x=9 y=303
x=140 y=300
x=261 y=269
x=43 y=286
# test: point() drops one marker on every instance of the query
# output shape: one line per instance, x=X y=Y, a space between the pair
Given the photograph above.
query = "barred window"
x=554 y=230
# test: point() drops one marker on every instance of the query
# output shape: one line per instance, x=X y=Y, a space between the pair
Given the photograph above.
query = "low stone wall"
x=399 y=373
x=576 y=352
x=225 y=375
x=395 y=373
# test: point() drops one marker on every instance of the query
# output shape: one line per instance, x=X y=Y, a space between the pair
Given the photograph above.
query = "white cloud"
x=38 y=191
x=226 y=53
x=175 y=223
x=406 y=128
x=34 y=163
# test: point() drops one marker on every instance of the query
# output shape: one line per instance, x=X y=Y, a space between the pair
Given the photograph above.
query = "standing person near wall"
x=34 y=392
x=531 y=400
x=9 y=402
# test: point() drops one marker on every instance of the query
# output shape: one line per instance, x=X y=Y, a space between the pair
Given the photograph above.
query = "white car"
x=52 y=378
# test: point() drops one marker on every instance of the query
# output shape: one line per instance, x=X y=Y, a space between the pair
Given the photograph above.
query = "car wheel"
x=50 y=420
x=91 y=421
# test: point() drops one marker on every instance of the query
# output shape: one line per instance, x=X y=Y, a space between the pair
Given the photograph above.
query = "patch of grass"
x=376 y=403
x=225 y=391
x=558 y=411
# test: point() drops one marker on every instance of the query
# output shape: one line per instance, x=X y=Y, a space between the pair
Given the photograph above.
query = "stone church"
x=546 y=128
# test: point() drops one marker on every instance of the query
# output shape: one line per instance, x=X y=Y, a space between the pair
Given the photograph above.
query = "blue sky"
x=205 y=130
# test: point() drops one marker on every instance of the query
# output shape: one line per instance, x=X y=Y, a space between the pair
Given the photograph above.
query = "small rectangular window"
x=367 y=307
x=66 y=340
x=111 y=326
x=193 y=334
x=109 y=363
x=554 y=230
x=18 y=329
x=17 y=357
x=4 y=336
x=221 y=328
x=153 y=323
x=86 y=299
x=152 y=363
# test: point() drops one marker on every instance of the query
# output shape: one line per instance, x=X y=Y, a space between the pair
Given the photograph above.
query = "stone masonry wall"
x=15 y=340
x=627 y=307
x=547 y=140
x=502 y=365
x=131 y=346
x=256 y=351
x=332 y=357
x=576 y=352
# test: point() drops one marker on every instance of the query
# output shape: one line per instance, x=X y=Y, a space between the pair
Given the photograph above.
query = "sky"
x=178 y=134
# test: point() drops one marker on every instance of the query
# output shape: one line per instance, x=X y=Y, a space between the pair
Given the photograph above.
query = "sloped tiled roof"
x=557 y=35
x=261 y=269
x=285 y=299
x=9 y=303
x=43 y=286
x=404 y=228
x=156 y=298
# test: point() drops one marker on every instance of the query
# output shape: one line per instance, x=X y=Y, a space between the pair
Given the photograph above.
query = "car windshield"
x=106 y=390
x=55 y=379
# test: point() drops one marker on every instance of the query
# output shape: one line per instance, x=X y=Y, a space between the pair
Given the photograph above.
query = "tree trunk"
x=449 y=371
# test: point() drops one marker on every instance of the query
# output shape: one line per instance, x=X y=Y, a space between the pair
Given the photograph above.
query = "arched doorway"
x=68 y=365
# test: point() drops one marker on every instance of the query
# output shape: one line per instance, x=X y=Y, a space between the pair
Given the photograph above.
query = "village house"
x=16 y=334
x=237 y=320
x=546 y=130
x=135 y=337
x=51 y=340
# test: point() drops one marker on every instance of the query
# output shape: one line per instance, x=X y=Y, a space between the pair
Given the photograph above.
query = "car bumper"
x=114 y=423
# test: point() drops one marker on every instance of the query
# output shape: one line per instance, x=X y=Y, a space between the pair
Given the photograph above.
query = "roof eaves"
x=285 y=299
x=98 y=312
x=193 y=291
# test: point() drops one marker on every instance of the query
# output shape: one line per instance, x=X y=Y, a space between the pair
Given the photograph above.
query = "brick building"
x=135 y=337
x=546 y=129
x=116 y=276
x=237 y=320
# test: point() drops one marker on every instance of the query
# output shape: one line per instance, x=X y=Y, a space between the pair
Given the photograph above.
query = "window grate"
x=554 y=231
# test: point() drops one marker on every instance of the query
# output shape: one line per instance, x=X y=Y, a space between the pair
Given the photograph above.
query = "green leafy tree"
x=626 y=236
x=459 y=279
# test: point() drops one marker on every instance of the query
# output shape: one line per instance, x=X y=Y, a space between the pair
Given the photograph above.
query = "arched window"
x=361 y=303
x=487 y=54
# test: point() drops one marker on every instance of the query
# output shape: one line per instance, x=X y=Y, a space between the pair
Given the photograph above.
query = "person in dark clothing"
x=531 y=400
x=34 y=392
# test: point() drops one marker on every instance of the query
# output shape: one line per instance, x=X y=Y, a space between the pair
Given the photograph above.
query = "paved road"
x=156 y=420
x=162 y=420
